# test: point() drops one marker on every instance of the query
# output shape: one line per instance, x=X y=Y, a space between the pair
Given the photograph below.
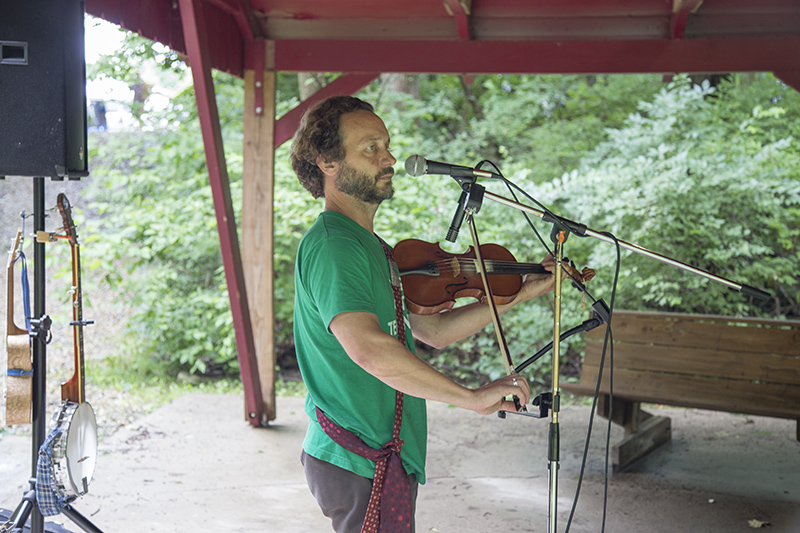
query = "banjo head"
x=75 y=450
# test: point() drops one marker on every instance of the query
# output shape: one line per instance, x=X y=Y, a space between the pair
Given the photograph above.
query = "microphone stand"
x=562 y=227
x=469 y=204
x=582 y=231
x=553 y=442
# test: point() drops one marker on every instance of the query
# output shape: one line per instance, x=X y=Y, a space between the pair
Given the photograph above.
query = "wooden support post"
x=257 y=212
x=643 y=431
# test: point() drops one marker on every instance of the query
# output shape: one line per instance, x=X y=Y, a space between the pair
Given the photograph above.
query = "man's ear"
x=329 y=168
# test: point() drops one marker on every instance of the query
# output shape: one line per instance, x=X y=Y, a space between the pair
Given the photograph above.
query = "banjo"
x=71 y=446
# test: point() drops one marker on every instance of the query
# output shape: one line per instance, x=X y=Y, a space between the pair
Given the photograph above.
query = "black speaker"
x=42 y=89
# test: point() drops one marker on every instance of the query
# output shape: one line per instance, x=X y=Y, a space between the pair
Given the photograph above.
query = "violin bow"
x=498 y=328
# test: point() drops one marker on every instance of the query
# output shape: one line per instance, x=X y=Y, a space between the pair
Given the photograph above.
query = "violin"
x=433 y=279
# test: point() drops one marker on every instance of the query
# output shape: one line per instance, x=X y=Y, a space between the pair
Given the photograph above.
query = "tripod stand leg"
x=19 y=518
x=79 y=520
x=20 y=515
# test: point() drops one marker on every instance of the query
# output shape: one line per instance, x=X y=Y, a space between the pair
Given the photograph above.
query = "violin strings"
x=471 y=265
x=492 y=266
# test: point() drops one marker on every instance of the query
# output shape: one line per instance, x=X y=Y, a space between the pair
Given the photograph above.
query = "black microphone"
x=416 y=165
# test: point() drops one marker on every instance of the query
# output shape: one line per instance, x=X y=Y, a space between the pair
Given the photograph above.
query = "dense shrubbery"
x=701 y=176
x=709 y=177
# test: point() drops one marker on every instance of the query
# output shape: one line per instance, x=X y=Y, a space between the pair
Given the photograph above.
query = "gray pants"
x=342 y=495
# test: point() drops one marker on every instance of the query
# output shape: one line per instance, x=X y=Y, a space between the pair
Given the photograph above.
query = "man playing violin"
x=347 y=329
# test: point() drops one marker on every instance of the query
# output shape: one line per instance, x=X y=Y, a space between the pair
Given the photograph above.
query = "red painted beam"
x=286 y=126
x=194 y=30
x=540 y=57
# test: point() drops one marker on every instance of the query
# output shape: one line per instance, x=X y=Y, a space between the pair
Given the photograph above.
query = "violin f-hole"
x=448 y=287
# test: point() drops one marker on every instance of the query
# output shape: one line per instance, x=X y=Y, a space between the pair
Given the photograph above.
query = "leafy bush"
x=156 y=238
x=709 y=177
x=701 y=178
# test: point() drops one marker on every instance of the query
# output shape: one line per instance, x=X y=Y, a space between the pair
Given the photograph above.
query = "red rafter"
x=242 y=12
x=195 y=32
x=514 y=57
x=460 y=10
x=344 y=84
x=681 y=9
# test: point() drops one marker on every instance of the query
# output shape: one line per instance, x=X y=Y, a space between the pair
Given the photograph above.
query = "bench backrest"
x=739 y=365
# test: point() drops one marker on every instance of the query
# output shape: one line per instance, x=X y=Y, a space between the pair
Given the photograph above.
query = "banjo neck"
x=74 y=388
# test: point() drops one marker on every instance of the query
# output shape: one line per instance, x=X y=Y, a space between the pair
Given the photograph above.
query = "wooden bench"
x=738 y=365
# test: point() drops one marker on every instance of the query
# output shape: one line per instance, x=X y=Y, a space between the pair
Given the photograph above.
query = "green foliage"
x=539 y=125
x=707 y=176
x=707 y=180
x=295 y=212
x=135 y=52
x=160 y=243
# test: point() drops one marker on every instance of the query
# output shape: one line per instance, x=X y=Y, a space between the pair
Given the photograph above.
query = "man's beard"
x=363 y=186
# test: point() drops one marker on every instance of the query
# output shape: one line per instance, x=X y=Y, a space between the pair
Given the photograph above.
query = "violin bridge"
x=456 y=266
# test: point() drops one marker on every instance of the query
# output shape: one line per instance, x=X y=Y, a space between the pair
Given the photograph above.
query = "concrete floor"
x=196 y=465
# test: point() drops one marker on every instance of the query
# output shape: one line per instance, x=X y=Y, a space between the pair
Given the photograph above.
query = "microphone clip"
x=469 y=203
x=464 y=177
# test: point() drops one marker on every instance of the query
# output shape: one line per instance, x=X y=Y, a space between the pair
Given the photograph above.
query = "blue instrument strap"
x=26 y=289
x=26 y=298
x=18 y=373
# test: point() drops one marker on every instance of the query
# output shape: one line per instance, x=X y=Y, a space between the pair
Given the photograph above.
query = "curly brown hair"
x=318 y=135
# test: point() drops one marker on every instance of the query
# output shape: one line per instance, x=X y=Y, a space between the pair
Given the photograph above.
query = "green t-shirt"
x=342 y=267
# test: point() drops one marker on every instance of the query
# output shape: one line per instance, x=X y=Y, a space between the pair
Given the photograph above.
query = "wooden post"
x=257 y=212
